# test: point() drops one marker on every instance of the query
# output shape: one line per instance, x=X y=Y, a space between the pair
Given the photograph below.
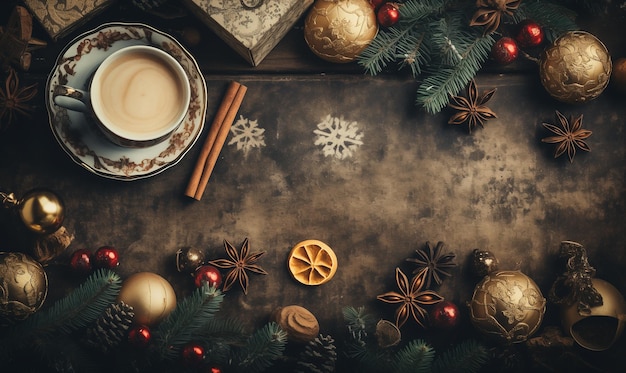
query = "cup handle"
x=71 y=98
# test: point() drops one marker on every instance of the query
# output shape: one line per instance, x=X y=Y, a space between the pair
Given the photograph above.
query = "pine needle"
x=262 y=348
x=188 y=320
x=466 y=357
x=416 y=357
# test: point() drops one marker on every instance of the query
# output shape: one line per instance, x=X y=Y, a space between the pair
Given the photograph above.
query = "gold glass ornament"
x=508 y=306
x=603 y=325
x=576 y=68
x=150 y=295
x=23 y=285
x=339 y=30
x=41 y=210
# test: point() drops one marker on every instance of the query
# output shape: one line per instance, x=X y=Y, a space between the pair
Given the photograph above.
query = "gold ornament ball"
x=150 y=295
x=507 y=306
x=42 y=211
x=339 y=30
x=618 y=77
x=598 y=330
x=23 y=285
x=576 y=68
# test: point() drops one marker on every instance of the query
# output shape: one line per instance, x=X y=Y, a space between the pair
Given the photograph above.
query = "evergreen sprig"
x=262 y=349
x=188 y=319
x=468 y=357
x=555 y=19
x=415 y=357
x=78 y=309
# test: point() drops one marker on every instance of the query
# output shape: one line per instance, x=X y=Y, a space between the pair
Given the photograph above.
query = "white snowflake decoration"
x=339 y=137
x=247 y=134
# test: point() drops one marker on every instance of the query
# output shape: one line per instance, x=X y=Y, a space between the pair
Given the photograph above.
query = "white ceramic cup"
x=138 y=96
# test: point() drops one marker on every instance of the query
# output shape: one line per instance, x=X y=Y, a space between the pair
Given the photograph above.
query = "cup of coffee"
x=138 y=96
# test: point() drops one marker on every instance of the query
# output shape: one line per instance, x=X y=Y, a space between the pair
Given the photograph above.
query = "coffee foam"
x=140 y=94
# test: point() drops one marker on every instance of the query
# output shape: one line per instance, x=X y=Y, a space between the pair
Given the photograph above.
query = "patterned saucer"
x=78 y=135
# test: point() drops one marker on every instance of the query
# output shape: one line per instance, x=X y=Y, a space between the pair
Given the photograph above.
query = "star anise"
x=571 y=136
x=434 y=262
x=13 y=99
x=472 y=109
x=239 y=263
x=490 y=12
x=411 y=298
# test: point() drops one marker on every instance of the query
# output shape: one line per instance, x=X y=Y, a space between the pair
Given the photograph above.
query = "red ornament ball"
x=106 y=257
x=444 y=315
x=215 y=370
x=529 y=34
x=505 y=50
x=207 y=273
x=80 y=261
x=139 y=336
x=388 y=15
x=192 y=354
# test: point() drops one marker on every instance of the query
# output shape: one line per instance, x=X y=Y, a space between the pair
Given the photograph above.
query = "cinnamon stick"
x=215 y=140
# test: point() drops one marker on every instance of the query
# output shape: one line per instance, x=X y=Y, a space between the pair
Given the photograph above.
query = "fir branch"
x=262 y=348
x=468 y=356
x=435 y=91
x=382 y=50
x=359 y=323
x=415 y=357
x=78 y=309
x=413 y=12
x=187 y=320
x=219 y=330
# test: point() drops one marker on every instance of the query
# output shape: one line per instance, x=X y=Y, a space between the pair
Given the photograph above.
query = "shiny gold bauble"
x=150 y=295
x=598 y=330
x=618 y=77
x=507 y=306
x=339 y=30
x=42 y=211
x=576 y=68
x=23 y=285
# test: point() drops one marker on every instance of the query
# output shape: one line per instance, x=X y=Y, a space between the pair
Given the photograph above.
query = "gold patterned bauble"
x=299 y=323
x=42 y=211
x=339 y=30
x=576 y=68
x=150 y=295
x=23 y=285
x=598 y=330
x=507 y=306
x=618 y=77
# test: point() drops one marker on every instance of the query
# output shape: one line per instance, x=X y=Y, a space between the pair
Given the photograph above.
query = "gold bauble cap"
x=598 y=330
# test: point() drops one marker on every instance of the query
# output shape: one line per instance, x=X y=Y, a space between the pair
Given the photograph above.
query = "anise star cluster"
x=239 y=264
x=14 y=99
x=569 y=136
x=472 y=109
x=490 y=12
x=435 y=261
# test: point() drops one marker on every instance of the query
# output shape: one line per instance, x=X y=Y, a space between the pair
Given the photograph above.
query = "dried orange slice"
x=312 y=262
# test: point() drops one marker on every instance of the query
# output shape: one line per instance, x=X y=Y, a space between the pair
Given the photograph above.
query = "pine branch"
x=80 y=308
x=468 y=356
x=434 y=92
x=262 y=348
x=382 y=50
x=417 y=356
x=187 y=320
x=220 y=330
x=555 y=19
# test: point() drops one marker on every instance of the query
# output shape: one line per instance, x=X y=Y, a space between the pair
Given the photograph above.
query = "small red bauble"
x=215 y=370
x=207 y=273
x=388 y=15
x=192 y=354
x=139 y=336
x=505 y=51
x=106 y=257
x=81 y=261
x=444 y=315
x=529 y=34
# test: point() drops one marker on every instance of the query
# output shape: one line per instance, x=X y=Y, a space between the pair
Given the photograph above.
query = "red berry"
x=139 y=336
x=106 y=257
x=208 y=273
x=388 y=15
x=505 y=50
x=529 y=34
x=81 y=261
x=444 y=315
x=192 y=354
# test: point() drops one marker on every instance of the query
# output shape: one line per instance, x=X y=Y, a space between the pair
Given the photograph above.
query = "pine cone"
x=110 y=328
x=319 y=356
